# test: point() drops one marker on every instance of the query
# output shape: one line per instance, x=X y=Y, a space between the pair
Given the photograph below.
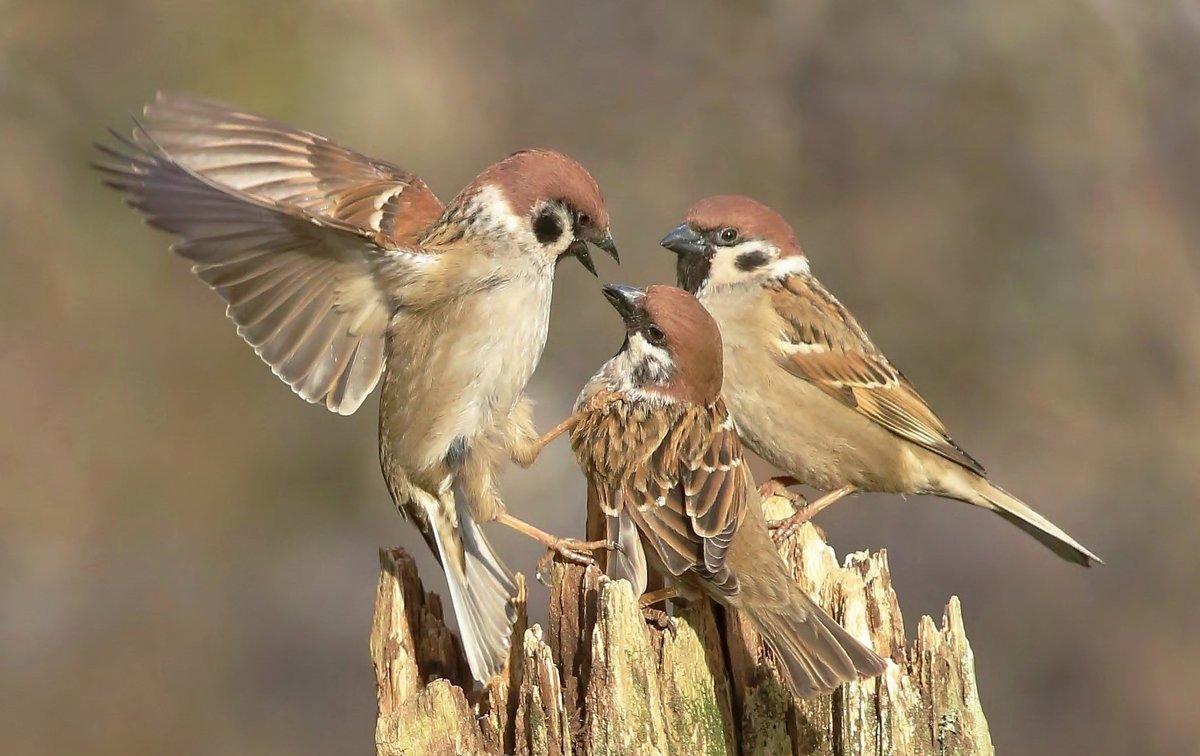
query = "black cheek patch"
x=547 y=228
x=748 y=261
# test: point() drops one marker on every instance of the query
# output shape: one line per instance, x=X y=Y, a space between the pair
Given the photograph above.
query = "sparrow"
x=342 y=271
x=664 y=464
x=809 y=391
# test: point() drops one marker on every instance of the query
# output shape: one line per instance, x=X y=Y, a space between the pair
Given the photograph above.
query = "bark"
x=599 y=679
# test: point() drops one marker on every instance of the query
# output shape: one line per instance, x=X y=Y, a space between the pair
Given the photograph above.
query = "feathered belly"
x=455 y=374
x=806 y=433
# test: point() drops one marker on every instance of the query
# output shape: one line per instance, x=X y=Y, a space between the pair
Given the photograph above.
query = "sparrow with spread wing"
x=339 y=269
x=809 y=391
x=664 y=465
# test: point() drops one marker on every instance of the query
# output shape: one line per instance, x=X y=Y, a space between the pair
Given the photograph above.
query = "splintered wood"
x=598 y=679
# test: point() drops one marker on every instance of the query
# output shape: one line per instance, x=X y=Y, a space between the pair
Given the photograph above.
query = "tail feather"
x=628 y=561
x=988 y=495
x=816 y=654
x=481 y=589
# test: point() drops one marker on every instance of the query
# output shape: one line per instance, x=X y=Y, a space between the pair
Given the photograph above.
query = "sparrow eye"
x=583 y=219
x=655 y=335
x=728 y=235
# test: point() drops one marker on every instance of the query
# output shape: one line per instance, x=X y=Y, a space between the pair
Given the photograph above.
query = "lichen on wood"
x=598 y=678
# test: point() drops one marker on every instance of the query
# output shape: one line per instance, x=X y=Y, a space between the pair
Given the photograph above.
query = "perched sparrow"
x=338 y=269
x=664 y=464
x=809 y=391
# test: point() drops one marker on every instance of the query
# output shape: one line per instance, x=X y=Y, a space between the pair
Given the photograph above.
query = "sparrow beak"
x=579 y=250
x=683 y=240
x=606 y=243
x=626 y=300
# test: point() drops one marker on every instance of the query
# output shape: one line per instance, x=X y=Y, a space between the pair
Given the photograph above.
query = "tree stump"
x=599 y=679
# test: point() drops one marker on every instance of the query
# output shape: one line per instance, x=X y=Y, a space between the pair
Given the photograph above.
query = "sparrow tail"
x=481 y=589
x=815 y=653
x=985 y=494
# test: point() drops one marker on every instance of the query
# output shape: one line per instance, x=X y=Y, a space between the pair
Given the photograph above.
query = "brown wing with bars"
x=676 y=471
x=822 y=343
x=282 y=165
x=287 y=228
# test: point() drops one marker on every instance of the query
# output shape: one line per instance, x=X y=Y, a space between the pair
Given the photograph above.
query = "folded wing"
x=822 y=343
x=684 y=487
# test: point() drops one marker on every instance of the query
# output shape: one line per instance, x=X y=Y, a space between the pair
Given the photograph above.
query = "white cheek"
x=796 y=265
x=638 y=348
x=495 y=215
x=654 y=361
x=495 y=220
x=639 y=364
x=725 y=273
x=724 y=270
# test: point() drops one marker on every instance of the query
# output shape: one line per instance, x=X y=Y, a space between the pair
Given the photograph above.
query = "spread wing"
x=284 y=166
x=286 y=227
x=821 y=342
x=676 y=473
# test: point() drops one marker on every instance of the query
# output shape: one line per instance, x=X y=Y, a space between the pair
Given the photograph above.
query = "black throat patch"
x=692 y=271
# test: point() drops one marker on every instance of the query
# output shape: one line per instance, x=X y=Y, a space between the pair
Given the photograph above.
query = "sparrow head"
x=729 y=240
x=672 y=346
x=545 y=200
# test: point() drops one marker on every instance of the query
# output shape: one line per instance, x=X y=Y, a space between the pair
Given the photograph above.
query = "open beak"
x=683 y=240
x=626 y=300
x=606 y=243
x=579 y=250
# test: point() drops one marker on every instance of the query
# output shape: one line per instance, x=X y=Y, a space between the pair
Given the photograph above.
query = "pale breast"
x=454 y=373
x=788 y=421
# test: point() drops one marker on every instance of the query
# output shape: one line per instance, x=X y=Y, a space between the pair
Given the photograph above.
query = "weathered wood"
x=601 y=680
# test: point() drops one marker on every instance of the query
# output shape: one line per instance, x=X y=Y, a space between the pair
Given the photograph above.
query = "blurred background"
x=1005 y=193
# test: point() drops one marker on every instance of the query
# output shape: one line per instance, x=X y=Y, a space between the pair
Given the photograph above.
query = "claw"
x=661 y=620
x=785 y=527
x=779 y=487
x=573 y=551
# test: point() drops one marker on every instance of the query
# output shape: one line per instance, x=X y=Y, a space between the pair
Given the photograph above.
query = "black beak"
x=606 y=243
x=683 y=240
x=579 y=250
x=626 y=300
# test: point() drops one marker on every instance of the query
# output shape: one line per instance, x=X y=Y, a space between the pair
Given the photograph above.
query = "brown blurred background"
x=1005 y=193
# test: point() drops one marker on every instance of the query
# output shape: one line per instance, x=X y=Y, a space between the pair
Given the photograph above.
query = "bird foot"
x=659 y=619
x=779 y=487
x=570 y=550
x=787 y=526
x=784 y=531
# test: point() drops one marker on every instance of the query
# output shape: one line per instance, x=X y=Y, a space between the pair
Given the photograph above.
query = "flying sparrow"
x=809 y=391
x=339 y=269
x=664 y=465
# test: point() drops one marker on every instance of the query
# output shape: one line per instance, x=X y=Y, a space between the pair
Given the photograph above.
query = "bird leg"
x=657 y=617
x=526 y=454
x=785 y=527
x=571 y=549
x=778 y=486
x=650 y=598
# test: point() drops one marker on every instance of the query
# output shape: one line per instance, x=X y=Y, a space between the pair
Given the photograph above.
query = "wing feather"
x=287 y=227
x=822 y=343
x=283 y=165
x=679 y=478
